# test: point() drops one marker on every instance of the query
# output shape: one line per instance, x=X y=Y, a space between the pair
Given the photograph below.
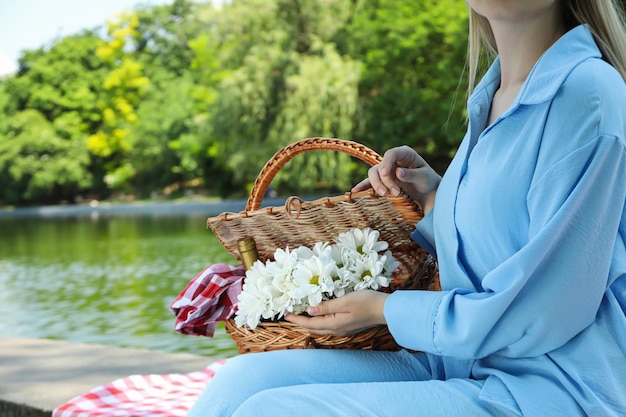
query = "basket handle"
x=284 y=155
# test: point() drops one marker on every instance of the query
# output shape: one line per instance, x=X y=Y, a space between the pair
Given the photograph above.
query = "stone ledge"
x=8 y=409
x=38 y=375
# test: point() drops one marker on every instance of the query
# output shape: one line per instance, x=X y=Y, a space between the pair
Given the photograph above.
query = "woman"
x=529 y=229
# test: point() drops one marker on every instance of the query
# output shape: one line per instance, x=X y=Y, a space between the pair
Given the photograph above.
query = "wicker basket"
x=299 y=223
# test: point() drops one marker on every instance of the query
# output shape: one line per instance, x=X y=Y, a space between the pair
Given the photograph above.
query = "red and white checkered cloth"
x=169 y=395
x=210 y=297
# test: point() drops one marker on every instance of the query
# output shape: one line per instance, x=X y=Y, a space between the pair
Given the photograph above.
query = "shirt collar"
x=549 y=72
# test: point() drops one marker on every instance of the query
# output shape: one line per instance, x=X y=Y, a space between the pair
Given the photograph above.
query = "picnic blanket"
x=210 y=297
x=169 y=395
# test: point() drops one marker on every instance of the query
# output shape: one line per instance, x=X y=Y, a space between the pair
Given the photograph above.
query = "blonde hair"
x=605 y=19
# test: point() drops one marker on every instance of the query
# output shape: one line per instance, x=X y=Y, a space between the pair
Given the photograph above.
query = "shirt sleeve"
x=549 y=290
x=424 y=234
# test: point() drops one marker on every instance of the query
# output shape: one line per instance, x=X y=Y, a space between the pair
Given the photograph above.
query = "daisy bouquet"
x=302 y=277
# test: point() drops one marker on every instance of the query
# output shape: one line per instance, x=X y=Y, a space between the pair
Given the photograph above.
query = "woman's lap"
x=453 y=398
x=346 y=383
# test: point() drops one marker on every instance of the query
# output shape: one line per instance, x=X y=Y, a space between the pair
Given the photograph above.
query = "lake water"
x=105 y=280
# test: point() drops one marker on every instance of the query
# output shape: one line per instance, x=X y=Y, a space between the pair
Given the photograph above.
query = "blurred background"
x=164 y=97
x=185 y=101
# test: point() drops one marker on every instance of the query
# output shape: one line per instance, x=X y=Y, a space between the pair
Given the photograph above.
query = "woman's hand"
x=403 y=168
x=345 y=315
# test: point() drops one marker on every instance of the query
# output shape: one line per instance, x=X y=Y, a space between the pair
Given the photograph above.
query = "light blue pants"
x=339 y=383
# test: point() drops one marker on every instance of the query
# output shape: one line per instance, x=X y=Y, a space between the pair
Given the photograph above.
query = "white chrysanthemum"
x=279 y=271
x=256 y=298
x=251 y=307
x=314 y=278
x=390 y=263
x=344 y=284
x=370 y=273
x=302 y=252
x=257 y=276
x=305 y=276
x=322 y=249
x=350 y=257
x=281 y=288
x=346 y=265
x=287 y=259
x=336 y=253
x=363 y=241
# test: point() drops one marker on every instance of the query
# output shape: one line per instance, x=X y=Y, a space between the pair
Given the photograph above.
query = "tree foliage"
x=189 y=95
x=37 y=157
x=50 y=108
x=413 y=54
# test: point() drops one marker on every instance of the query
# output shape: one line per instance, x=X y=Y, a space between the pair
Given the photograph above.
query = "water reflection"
x=104 y=280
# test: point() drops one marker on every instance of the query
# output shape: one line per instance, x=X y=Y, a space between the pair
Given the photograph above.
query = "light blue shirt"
x=529 y=230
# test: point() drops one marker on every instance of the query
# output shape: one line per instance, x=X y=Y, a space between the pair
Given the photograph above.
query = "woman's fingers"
x=402 y=168
x=362 y=186
x=389 y=181
x=416 y=177
x=317 y=325
x=344 y=315
x=388 y=176
x=385 y=177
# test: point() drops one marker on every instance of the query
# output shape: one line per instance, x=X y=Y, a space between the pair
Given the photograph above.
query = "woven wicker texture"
x=300 y=223
x=270 y=335
x=303 y=223
x=284 y=335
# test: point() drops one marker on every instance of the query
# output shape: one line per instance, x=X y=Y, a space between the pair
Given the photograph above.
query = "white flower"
x=255 y=300
x=390 y=265
x=287 y=259
x=362 y=241
x=303 y=277
x=370 y=273
x=315 y=278
x=250 y=308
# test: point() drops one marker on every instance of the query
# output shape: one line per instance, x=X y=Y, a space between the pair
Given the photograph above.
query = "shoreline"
x=39 y=375
x=149 y=208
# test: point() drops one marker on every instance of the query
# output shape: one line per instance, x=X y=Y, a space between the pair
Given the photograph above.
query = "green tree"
x=62 y=78
x=41 y=161
x=185 y=93
x=5 y=100
x=167 y=149
x=122 y=90
x=412 y=87
x=172 y=141
x=288 y=82
x=49 y=109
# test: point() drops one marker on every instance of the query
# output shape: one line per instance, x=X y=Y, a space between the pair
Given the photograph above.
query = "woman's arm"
x=551 y=288
x=533 y=303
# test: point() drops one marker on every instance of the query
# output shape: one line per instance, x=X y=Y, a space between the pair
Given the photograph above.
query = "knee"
x=290 y=401
x=267 y=403
x=232 y=384
x=236 y=366
x=244 y=375
x=243 y=369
